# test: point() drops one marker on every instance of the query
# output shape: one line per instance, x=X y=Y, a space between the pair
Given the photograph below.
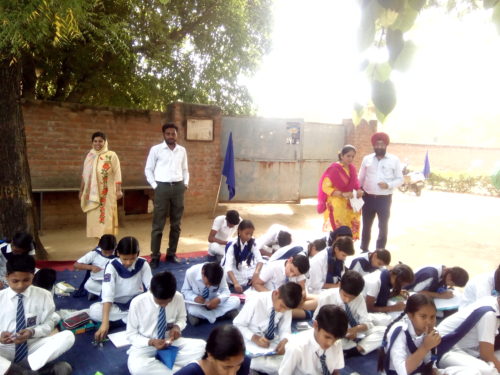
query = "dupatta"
x=90 y=194
x=340 y=179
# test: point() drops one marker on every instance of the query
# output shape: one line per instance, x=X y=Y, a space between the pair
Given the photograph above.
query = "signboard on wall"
x=199 y=129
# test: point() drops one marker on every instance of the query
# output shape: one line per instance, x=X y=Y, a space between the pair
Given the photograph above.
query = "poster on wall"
x=199 y=129
x=293 y=133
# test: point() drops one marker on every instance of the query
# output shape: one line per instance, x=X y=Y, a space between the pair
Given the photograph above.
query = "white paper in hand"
x=356 y=203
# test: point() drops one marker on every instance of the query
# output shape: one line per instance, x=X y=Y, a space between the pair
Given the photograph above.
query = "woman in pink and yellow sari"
x=100 y=188
x=335 y=189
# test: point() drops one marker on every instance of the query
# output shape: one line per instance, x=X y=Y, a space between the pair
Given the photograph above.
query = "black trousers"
x=380 y=206
x=168 y=202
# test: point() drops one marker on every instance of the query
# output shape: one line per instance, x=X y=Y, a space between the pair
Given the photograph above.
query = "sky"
x=450 y=95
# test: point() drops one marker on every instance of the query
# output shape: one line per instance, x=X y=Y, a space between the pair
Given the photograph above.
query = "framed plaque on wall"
x=198 y=129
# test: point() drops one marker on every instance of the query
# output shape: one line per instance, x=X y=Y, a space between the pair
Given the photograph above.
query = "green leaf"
x=395 y=43
x=383 y=97
x=366 y=31
x=403 y=61
x=418 y=4
x=495 y=17
x=379 y=71
x=405 y=20
x=396 y=5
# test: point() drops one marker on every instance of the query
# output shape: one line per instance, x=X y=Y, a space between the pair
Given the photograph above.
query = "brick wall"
x=58 y=139
x=360 y=137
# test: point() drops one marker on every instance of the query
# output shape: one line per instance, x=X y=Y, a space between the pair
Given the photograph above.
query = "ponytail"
x=385 y=344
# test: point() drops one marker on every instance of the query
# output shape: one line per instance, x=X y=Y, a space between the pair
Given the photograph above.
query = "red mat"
x=62 y=265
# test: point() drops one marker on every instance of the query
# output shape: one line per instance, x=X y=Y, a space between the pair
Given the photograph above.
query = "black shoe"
x=231 y=314
x=172 y=259
x=193 y=320
x=57 y=368
x=154 y=263
x=15 y=369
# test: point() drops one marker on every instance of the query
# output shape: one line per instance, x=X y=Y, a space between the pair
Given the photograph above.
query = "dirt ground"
x=444 y=228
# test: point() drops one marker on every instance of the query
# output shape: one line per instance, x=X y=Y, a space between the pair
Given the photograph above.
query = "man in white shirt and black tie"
x=167 y=173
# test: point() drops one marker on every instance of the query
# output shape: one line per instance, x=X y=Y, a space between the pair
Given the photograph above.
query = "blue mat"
x=87 y=359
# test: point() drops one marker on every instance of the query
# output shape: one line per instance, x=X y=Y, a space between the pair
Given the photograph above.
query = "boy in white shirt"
x=155 y=321
x=486 y=284
x=278 y=272
x=276 y=237
x=206 y=284
x=26 y=321
x=317 y=351
x=265 y=320
x=223 y=229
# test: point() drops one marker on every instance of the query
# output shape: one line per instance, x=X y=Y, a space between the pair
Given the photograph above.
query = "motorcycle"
x=412 y=181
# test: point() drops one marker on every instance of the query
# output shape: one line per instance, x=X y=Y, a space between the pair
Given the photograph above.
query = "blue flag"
x=228 y=169
x=427 y=166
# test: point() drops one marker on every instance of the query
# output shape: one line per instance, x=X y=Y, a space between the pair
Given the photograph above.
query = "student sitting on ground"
x=484 y=285
x=278 y=272
x=370 y=261
x=224 y=354
x=206 y=284
x=381 y=286
x=327 y=267
x=340 y=232
x=223 y=229
x=242 y=258
x=434 y=281
x=317 y=351
x=276 y=237
x=94 y=262
x=26 y=324
x=309 y=249
x=155 y=321
x=349 y=298
x=468 y=338
x=124 y=278
x=23 y=243
x=265 y=320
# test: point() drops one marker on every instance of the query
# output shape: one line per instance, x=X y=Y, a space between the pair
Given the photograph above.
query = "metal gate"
x=279 y=160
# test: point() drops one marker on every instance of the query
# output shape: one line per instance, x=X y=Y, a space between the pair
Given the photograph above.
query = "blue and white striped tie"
x=350 y=317
x=206 y=293
x=162 y=323
x=270 y=329
x=21 y=349
x=324 y=368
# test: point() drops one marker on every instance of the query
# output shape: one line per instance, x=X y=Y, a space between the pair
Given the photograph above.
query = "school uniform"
x=273 y=275
x=194 y=286
x=269 y=240
x=378 y=285
x=254 y=319
x=303 y=356
x=93 y=284
x=5 y=254
x=429 y=278
x=224 y=233
x=39 y=311
x=357 y=315
x=288 y=251
x=362 y=264
x=463 y=331
x=143 y=325
x=195 y=369
x=478 y=287
x=120 y=285
x=324 y=268
x=241 y=259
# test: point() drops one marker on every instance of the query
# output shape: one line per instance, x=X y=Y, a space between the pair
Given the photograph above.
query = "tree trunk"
x=17 y=212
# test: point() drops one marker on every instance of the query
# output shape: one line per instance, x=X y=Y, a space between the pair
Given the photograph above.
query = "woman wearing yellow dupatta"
x=100 y=188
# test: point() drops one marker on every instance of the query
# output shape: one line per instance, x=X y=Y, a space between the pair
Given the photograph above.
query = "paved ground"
x=447 y=228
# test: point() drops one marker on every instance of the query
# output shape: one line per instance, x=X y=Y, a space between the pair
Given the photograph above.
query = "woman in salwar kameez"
x=335 y=189
x=101 y=188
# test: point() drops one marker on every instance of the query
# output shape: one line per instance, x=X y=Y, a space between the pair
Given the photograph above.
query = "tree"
x=129 y=53
x=382 y=28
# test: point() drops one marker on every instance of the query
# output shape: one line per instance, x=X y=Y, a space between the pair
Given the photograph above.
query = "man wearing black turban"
x=379 y=175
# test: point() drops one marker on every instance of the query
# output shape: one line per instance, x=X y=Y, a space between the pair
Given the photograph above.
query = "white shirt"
x=166 y=165
x=358 y=267
x=244 y=272
x=95 y=259
x=224 y=233
x=424 y=285
x=193 y=286
x=253 y=319
x=317 y=272
x=303 y=352
x=478 y=287
x=121 y=290
x=3 y=260
x=282 y=250
x=372 y=284
x=357 y=305
x=484 y=331
x=273 y=275
x=400 y=351
x=271 y=236
x=142 y=323
x=372 y=171
x=38 y=309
